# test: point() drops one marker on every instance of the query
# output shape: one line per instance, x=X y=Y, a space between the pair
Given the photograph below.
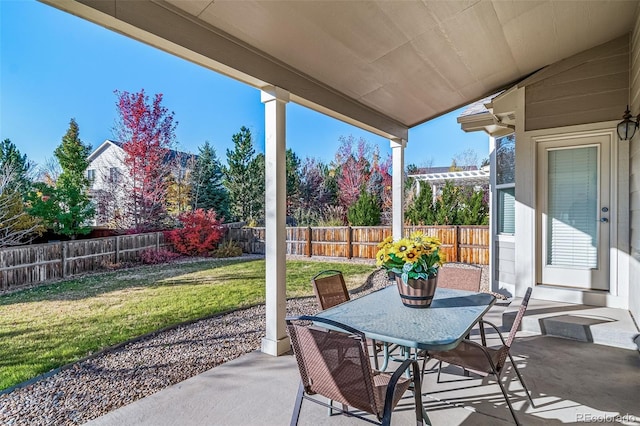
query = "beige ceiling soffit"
x=476 y=122
x=602 y=51
x=319 y=108
x=163 y=26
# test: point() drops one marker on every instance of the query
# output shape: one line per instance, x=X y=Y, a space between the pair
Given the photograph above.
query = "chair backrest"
x=514 y=329
x=467 y=277
x=330 y=289
x=335 y=364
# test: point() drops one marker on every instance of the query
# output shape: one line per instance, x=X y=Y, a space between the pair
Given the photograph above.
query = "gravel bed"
x=116 y=377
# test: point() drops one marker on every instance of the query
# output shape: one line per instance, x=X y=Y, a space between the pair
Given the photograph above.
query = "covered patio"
x=387 y=67
x=571 y=383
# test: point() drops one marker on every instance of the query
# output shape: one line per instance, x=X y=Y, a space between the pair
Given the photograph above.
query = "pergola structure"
x=382 y=66
x=474 y=178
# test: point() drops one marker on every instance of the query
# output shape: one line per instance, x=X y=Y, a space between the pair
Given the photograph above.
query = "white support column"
x=397 y=153
x=275 y=99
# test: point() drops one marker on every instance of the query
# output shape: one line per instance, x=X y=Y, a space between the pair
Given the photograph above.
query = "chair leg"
x=374 y=346
x=515 y=367
x=439 y=368
x=296 y=408
x=506 y=398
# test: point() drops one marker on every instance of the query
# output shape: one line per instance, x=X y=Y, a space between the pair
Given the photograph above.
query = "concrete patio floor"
x=571 y=382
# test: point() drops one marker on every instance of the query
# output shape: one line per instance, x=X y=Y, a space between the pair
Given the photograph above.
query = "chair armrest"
x=482 y=322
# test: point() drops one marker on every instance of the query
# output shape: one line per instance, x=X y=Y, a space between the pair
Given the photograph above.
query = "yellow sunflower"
x=387 y=241
x=382 y=256
x=418 y=237
x=400 y=247
x=411 y=255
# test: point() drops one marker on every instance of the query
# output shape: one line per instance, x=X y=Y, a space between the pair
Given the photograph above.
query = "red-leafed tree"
x=199 y=234
x=354 y=169
x=147 y=132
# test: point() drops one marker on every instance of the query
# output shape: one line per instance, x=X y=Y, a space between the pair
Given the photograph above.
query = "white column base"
x=275 y=347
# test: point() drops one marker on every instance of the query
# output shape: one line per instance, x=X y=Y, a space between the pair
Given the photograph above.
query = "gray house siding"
x=505 y=267
x=590 y=92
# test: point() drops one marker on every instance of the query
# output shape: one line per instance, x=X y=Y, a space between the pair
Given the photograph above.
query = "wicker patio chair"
x=484 y=360
x=467 y=277
x=330 y=289
x=336 y=365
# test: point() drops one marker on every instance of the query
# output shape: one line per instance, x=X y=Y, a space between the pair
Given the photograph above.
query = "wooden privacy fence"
x=468 y=244
x=27 y=265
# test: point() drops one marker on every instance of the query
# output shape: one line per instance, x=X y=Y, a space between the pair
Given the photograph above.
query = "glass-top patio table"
x=381 y=316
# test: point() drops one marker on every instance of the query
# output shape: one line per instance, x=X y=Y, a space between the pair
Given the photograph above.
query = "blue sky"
x=55 y=66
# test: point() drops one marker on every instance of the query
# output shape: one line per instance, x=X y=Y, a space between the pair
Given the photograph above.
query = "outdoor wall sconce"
x=627 y=127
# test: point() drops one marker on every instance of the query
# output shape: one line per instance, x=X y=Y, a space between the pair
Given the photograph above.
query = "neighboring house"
x=560 y=185
x=110 y=180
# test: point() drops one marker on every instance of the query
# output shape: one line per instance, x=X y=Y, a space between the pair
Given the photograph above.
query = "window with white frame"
x=91 y=175
x=506 y=184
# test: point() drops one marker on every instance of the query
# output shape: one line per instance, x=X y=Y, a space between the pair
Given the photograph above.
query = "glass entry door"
x=573 y=182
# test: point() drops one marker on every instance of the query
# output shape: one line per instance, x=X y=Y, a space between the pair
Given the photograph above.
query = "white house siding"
x=108 y=156
x=634 y=176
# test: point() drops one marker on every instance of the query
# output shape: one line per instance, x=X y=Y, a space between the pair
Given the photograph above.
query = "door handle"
x=604 y=220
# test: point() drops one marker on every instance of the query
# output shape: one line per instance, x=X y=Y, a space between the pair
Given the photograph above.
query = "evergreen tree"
x=72 y=188
x=207 y=189
x=244 y=178
x=293 y=181
x=17 y=225
x=14 y=165
x=257 y=188
x=365 y=211
x=422 y=212
x=447 y=205
x=475 y=210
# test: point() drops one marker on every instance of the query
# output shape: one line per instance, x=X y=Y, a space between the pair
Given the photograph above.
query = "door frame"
x=603 y=147
x=617 y=296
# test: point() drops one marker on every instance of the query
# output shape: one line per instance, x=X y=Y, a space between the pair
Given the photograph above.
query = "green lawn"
x=49 y=326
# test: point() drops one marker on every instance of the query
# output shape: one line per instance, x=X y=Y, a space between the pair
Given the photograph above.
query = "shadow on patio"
x=571 y=382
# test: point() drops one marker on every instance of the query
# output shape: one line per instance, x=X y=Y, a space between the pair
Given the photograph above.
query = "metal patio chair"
x=336 y=365
x=454 y=275
x=330 y=289
x=483 y=360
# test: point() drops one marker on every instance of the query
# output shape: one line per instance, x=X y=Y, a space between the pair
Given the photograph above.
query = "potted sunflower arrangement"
x=414 y=262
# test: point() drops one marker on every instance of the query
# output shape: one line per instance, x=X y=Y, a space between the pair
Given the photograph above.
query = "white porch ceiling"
x=383 y=65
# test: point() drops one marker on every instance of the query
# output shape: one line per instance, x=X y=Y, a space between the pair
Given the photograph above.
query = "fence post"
x=309 y=252
x=64 y=259
x=457 y=242
x=157 y=242
x=117 y=250
x=349 y=245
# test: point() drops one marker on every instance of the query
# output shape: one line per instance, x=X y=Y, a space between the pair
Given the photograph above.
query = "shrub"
x=228 y=249
x=153 y=257
x=199 y=234
x=333 y=216
x=365 y=211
